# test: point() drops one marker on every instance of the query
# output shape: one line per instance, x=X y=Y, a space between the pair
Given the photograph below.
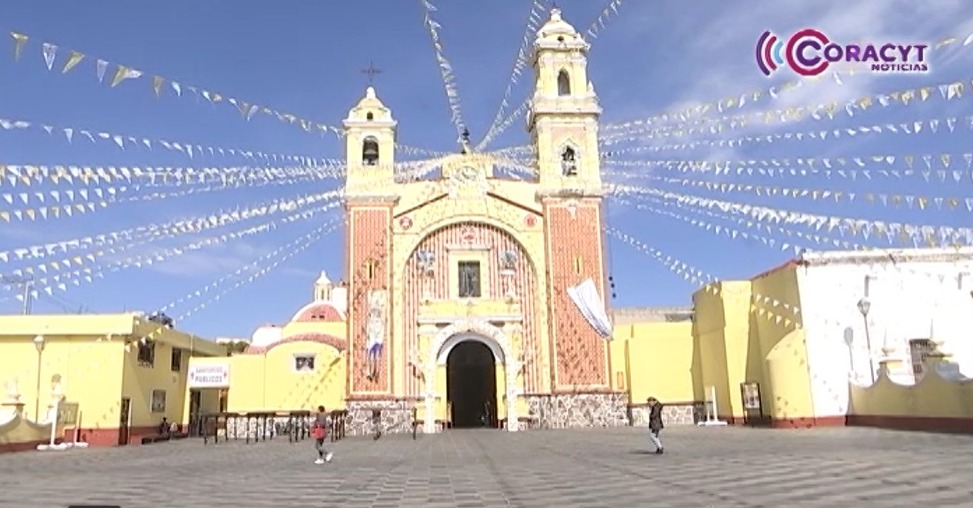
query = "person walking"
x=655 y=423
x=319 y=431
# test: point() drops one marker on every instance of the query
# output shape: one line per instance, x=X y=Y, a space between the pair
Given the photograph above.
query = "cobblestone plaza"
x=590 y=468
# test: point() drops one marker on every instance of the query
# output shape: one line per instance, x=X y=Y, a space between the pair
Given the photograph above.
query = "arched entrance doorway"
x=471 y=385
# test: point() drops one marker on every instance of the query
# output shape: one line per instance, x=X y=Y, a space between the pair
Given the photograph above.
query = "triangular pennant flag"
x=101 y=67
x=73 y=60
x=50 y=53
x=19 y=41
x=124 y=73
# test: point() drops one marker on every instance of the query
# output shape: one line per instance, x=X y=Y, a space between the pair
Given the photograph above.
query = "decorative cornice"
x=569 y=193
x=889 y=257
x=448 y=320
x=365 y=199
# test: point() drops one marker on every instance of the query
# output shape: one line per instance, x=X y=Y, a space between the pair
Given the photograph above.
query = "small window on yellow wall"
x=578 y=265
x=304 y=363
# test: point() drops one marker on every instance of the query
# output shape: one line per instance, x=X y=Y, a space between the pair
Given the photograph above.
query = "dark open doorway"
x=471 y=385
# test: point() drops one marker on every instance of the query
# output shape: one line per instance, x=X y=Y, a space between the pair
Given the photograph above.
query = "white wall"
x=909 y=300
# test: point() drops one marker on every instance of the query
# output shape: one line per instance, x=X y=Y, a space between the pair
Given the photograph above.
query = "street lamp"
x=39 y=343
x=864 y=306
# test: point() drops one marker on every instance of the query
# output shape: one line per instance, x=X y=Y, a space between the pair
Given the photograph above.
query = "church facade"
x=514 y=265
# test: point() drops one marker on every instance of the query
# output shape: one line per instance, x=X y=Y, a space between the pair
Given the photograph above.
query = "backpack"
x=319 y=431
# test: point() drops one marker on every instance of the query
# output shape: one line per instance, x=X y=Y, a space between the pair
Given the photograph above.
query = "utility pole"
x=27 y=283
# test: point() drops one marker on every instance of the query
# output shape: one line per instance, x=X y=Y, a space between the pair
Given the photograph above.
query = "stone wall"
x=396 y=416
x=578 y=410
x=672 y=414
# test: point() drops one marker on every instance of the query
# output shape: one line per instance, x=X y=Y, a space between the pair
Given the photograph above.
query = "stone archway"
x=494 y=338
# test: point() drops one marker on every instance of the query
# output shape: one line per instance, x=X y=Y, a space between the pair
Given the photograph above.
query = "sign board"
x=209 y=375
x=67 y=413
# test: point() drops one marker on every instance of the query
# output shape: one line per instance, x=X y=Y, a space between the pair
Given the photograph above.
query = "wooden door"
x=124 y=414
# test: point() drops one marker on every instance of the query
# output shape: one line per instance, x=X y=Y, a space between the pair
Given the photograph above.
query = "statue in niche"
x=469 y=279
x=426 y=261
x=569 y=162
x=57 y=389
x=508 y=259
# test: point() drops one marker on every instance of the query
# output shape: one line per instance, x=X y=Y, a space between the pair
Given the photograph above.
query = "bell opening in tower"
x=370 y=151
x=471 y=386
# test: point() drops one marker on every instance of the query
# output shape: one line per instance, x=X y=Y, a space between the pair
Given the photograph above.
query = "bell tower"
x=369 y=146
x=563 y=120
x=563 y=124
x=370 y=196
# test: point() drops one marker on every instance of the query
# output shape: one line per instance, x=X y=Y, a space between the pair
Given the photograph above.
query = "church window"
x=920 y=349
x=370 y=269
x=469 y=279
x=370 y=116
x=563 y=83
x=569 y=162
x=175 y=361
x=369 y=151
x=146 y=353
x=578 y=265
x=304 y=362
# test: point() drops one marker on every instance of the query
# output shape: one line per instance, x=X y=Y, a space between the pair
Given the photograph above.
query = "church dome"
x=318 y=311
x=266 y=335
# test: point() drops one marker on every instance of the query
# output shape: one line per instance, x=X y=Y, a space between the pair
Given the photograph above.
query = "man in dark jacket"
x=655 y=423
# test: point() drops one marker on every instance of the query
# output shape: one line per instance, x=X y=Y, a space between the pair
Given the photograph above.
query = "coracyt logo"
x=810 y=52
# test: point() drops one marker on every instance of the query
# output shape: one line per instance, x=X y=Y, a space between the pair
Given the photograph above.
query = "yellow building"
x=296 y=366
x=123 y=371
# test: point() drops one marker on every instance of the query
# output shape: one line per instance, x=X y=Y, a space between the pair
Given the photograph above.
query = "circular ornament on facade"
x=530 y=220
x=468 y=234
x=405 y=223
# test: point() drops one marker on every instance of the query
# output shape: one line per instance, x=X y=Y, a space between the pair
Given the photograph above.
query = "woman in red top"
x=319 y=431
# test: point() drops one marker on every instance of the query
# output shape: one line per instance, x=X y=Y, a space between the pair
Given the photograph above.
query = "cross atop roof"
x=371 y=71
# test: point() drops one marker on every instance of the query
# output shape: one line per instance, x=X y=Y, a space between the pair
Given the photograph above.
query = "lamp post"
x=864 y=306
x=39 y=343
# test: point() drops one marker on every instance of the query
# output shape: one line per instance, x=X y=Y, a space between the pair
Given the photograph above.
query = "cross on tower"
x=371 y=71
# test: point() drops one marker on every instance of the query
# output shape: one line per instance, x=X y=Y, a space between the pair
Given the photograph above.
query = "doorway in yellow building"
x=471 y=385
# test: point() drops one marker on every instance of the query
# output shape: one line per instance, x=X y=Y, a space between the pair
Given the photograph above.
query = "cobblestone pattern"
x=578 y=410
x=728 y=466
x=679 y=414
x=396 y=416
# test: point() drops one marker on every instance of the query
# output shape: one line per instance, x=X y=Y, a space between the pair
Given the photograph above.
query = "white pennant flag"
x=100 y=67
x=50 y=53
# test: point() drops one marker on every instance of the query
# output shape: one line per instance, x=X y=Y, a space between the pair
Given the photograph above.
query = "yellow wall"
x=786 y=383
x=654 y=359
x=268 y=382
x=96 y=367
x=90 y=370
x=741 y=336
x=931 y=397
x=139 y=381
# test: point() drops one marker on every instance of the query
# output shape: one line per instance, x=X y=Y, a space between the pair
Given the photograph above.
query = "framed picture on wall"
x=158 y=404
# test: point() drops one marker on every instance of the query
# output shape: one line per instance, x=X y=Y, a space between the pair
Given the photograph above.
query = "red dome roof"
x=318 y=311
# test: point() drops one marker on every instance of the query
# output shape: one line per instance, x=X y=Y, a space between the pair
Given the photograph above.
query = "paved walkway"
x=595 y=468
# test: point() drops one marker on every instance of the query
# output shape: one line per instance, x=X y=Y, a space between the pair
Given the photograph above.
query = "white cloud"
x=216 y=261
x=724 y=62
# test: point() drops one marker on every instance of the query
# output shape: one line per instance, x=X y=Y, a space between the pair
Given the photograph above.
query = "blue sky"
x=305 y=58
